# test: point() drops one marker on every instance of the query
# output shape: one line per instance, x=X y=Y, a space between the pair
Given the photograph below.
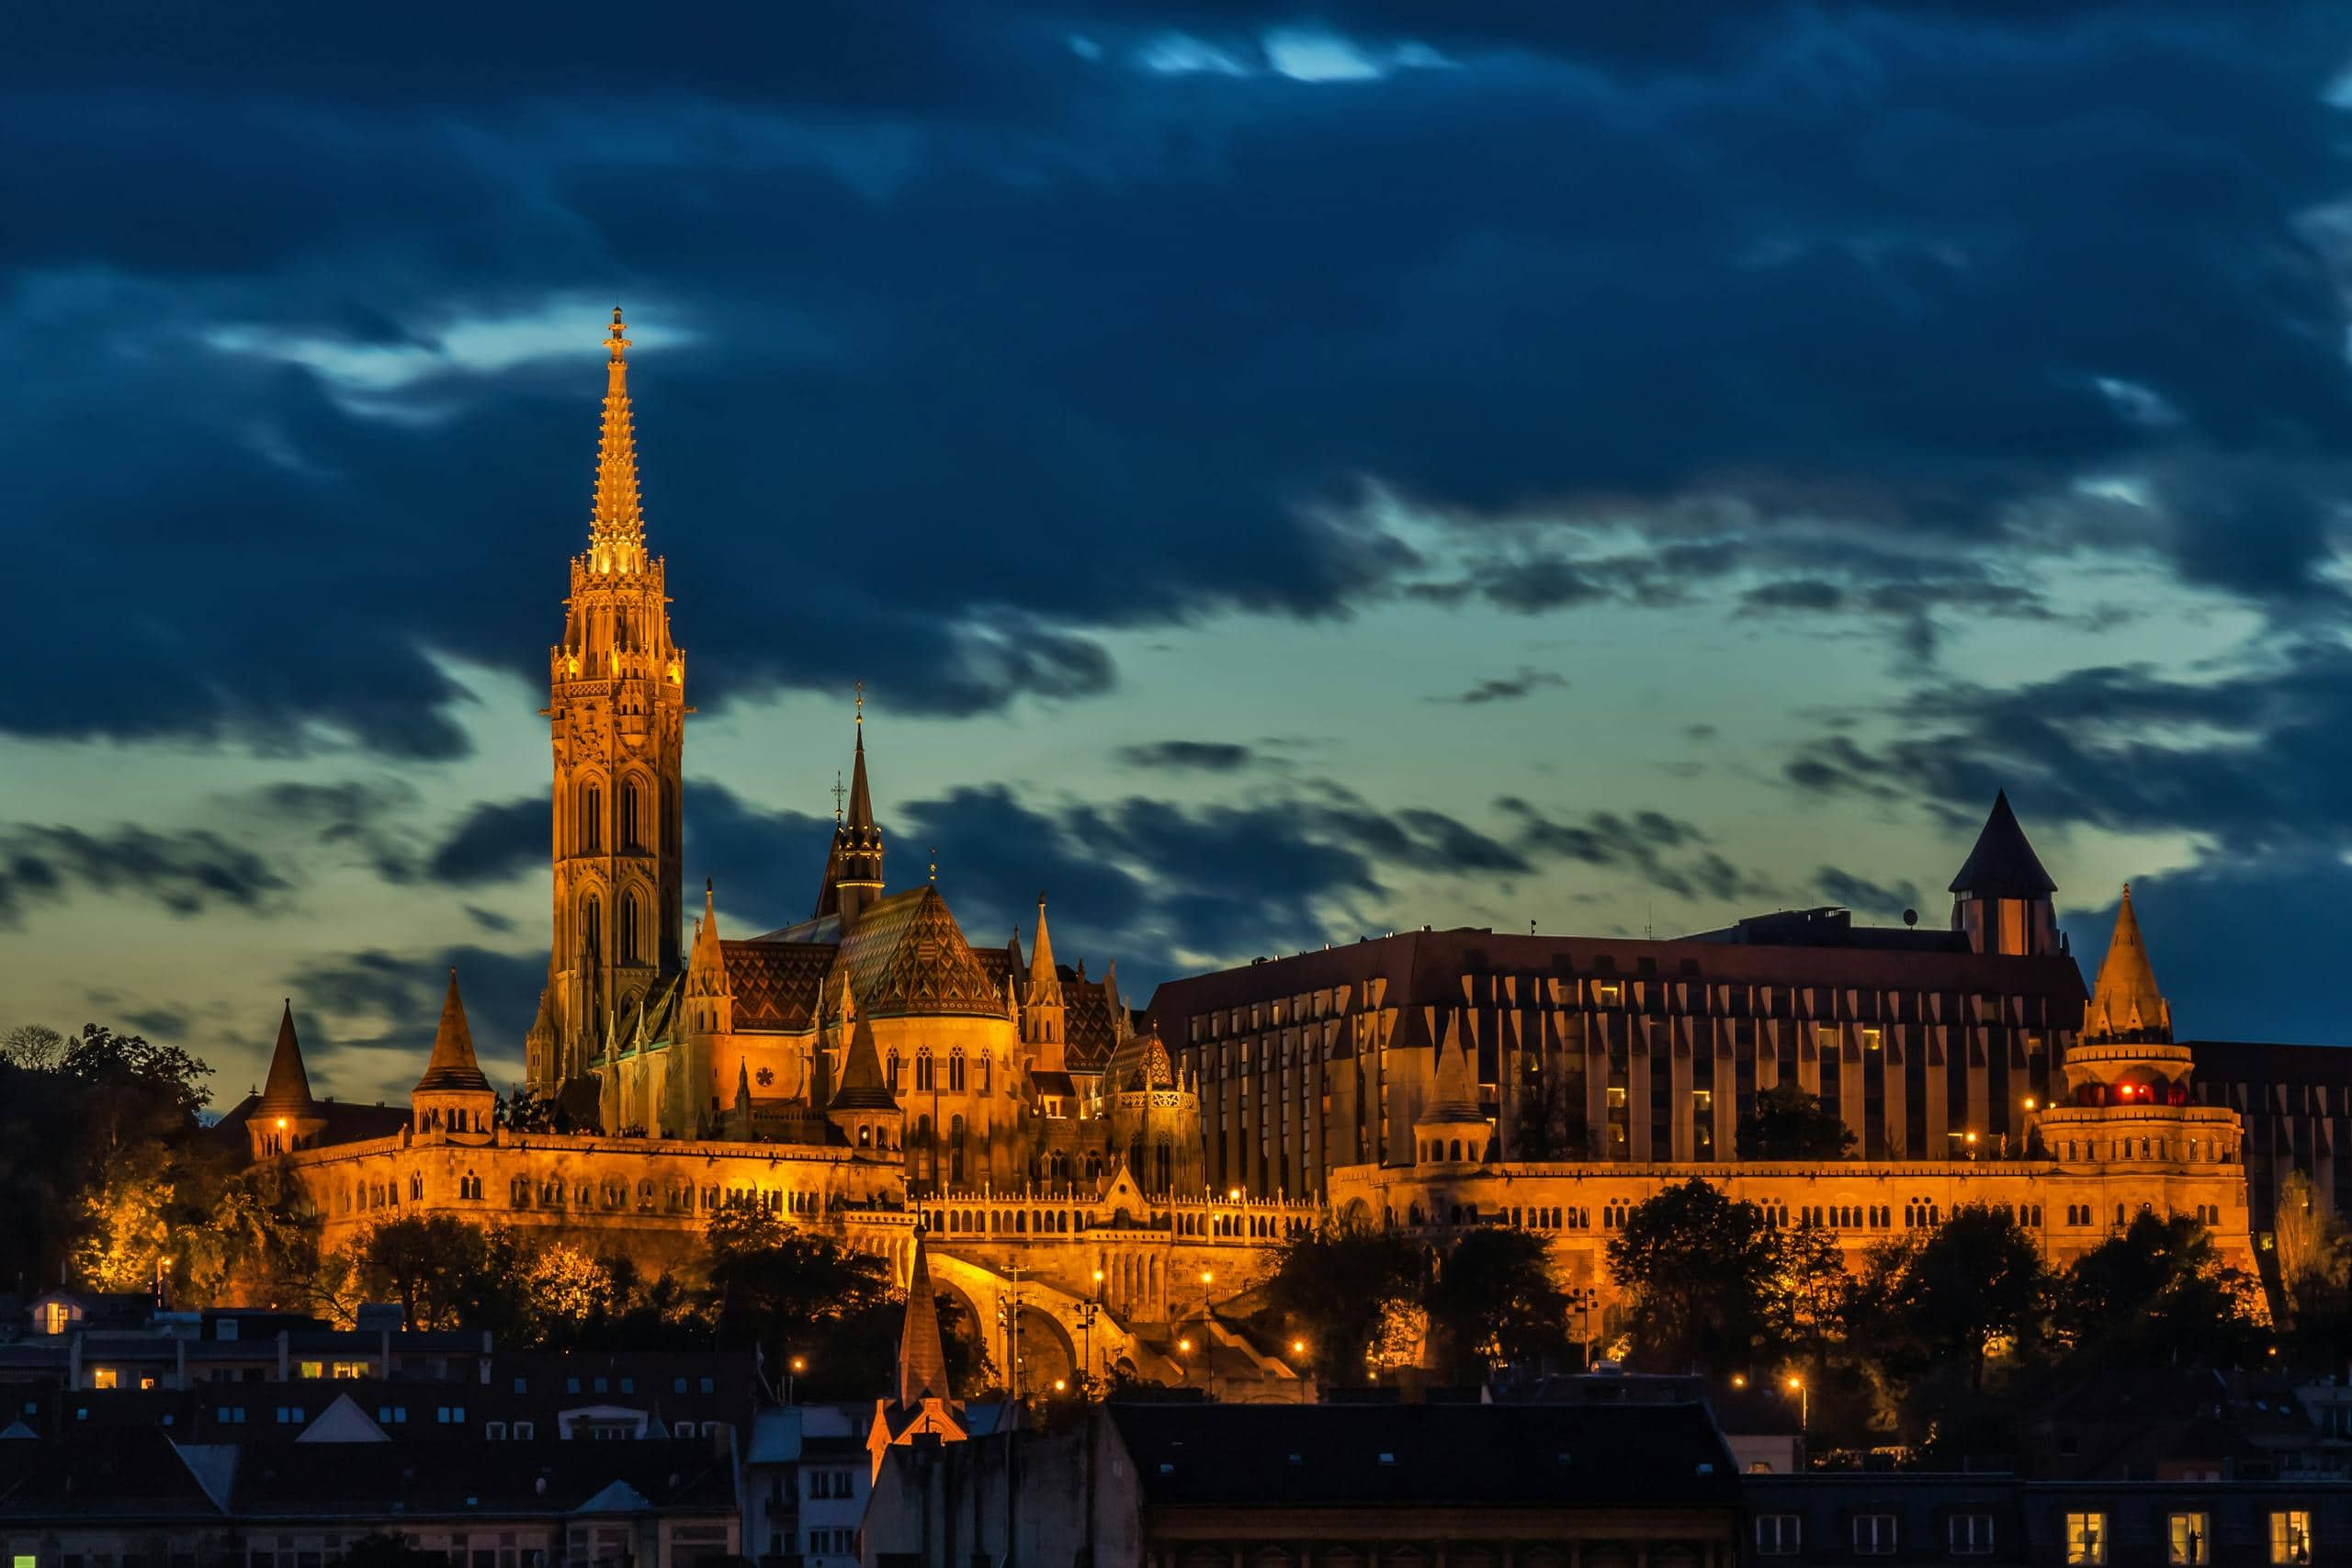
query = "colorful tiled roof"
x=906 y=956
x=777 y=984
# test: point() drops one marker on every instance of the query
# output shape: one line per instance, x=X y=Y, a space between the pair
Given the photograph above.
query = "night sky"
x=1282 y=474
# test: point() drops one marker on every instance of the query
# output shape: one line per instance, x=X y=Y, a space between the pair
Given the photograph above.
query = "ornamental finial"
x=861 y=705
x=619 y=341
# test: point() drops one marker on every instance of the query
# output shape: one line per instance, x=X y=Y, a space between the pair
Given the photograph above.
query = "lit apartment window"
x=1971 y=1534
x=1870 y=1039
x=105 y=1377
x=1777 y=1535
x=348 y=1369
x=1873 y=1535
x=2085 y=1539
x=309 y=1369
x=2291 y=1535
x=2184 y=1538
x=1607 y=994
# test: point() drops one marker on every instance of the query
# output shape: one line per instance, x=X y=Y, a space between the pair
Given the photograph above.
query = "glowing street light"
x=793 y=1369
x=1805 y=1403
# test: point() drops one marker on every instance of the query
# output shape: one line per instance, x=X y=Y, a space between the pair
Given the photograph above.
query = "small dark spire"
x=2003 y=864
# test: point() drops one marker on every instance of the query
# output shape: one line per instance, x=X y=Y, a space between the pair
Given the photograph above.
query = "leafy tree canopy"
x=1493 y=1302
x=1788 y=1124
x=1704 y=1272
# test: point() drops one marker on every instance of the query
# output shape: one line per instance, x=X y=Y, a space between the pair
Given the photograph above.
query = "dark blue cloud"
x=2239 y=947
x=1000 y=346
x=494 y=841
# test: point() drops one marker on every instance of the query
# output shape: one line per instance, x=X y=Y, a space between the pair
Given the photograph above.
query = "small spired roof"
x=922 y=1357
x=2126 y=1005
x=863 y=1086
x=453 y=1067
x=1045 y=981
x=2003 y=866
x=287 y=1091
x=1455 y=1098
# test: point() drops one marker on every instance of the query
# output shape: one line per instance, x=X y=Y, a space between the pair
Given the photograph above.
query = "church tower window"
x=631 y=834
x=591 y=814
x=626 y=952
x=592 y=930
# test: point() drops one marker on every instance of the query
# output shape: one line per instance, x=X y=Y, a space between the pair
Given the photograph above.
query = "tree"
x=1788 y=1124
x=1548 y=1123
x=2310 y=1246
x=2158 y=1295
x=378 y=1550
x=1703 y=1274
x=1977 y=1281
x=524 y=1111
x=1346 y=1290
x=1815 y=1289
x=443 y=1272
x=31 y=1046
x=1493 y=1302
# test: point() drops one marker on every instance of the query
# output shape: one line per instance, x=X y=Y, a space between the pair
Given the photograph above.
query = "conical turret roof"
x=453 y=1067
x=922 y=1357
x=1453 y=1099
x=616 y=529
x=863 y=1087
x=2003 y=864
x=287 y=1091
x=2126 y=1005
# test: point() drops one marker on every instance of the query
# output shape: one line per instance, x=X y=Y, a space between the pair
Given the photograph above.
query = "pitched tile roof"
x=777 y=984
x=906 y=956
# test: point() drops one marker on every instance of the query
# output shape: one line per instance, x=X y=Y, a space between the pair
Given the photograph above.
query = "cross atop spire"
x=617 y=532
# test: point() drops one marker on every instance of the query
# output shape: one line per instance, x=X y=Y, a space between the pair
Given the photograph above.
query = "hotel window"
x=105 y=1377
x=2184 y=1538
x=1874 y=1535
x=1971 y=1534
x=1870 y=1039
x=1609 y=994
x=2085 y=1539
x=2291 y=1535
x=1777 y=1535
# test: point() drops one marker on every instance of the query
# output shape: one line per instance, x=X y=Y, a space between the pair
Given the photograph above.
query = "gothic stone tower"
x=617 y=709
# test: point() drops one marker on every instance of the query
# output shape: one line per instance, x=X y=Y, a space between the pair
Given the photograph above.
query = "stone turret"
x=2127 y=1082
x=1452 y=1128
x=285 y=1118
x=453 y=1099
x=2002 y=898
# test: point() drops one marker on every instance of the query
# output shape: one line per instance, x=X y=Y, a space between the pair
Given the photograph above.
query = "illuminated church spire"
x=617 y=709
x=616 y=534
x=854 y=869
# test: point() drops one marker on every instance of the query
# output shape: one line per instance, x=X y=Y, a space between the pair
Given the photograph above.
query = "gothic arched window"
x=592 y=818
x=956 y=1069
x=898 y=1075
x=630 y=835
x=925 y=1079
x=984 y=1073
x=592 y=928
x=625 y=952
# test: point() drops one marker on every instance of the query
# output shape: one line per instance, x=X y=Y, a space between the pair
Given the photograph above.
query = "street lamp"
x=1299 y=1357
x=1805 y=1403
x=791 y=1370
x=1739 y=1380
x=1087 y=1312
